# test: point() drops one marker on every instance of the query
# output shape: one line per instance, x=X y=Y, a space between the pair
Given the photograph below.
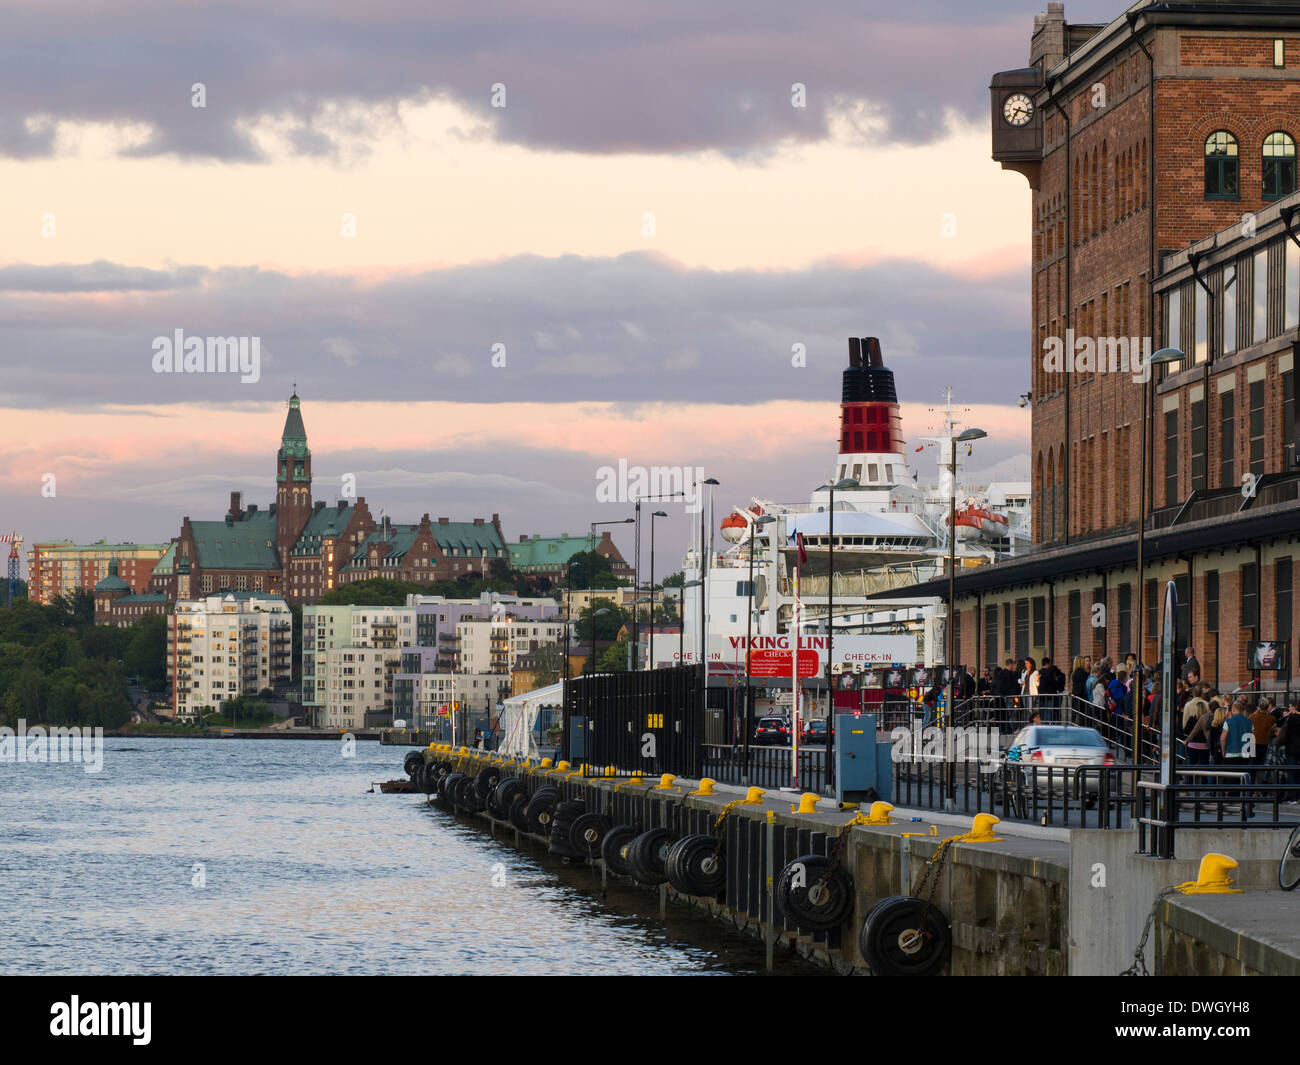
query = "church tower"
x=292 y=482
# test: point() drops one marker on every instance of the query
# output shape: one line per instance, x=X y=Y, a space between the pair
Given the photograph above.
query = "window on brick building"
x=1040 y=621
x=1125 y=619
x=1290 y=285
x=1278 y=165
x=1249 y=596
x=1288 y=420
x=991 y=636
x=1228 y=301
x=1198 y=445
x=1227 y=439
x=1222 y=173
x=1022 y=629
x=1155 y=598
x=1282 y=612
x=1173 y=300
x=1201 y=323
x=1212 y=601
x=1257 y=428
x=1171 y=457
x=1006 y=625
x=1075 y=606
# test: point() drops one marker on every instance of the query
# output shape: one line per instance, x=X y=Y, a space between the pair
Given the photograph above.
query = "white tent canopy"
x=519 y=719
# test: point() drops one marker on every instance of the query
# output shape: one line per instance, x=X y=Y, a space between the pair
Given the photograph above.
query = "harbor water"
x=273 y=857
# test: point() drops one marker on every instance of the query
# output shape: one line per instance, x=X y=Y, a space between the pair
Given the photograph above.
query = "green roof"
x=245 y=544
x=166 y=565
x=400 y=537
x=468 y=539
x=547 y=552
x=112 y=583
x=309 y=540
x=143 y=597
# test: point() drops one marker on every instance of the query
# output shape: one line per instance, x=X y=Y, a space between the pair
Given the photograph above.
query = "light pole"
x=634 y=650
x=843 y=484
x=1160 y=358
x=951 y=641
x=704 y=588
x=656 y=514
x=591 y=663
x=762 y=519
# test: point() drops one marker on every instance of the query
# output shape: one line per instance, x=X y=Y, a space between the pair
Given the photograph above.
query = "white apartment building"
x=227 y=645
x=495 y=646
x=349 y=656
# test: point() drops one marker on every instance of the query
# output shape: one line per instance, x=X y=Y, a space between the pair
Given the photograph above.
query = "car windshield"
x=771 y=722
x=1063 y=736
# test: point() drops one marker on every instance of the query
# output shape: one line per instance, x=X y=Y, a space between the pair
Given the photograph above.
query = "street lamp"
x=681 y=620
x=762 y=519
x=594 y=615
x=844 y=484
x=951 y=656
x=656 y=514
x=1160 y=358
x=704 y=635
x=634 y=648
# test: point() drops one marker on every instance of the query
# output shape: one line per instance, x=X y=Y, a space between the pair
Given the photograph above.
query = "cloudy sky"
x=497 y=245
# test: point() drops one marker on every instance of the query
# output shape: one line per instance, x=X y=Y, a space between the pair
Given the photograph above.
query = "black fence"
x=651 y=721
x=766 y=767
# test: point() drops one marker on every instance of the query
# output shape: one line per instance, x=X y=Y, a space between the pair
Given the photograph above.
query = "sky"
x=497 y=247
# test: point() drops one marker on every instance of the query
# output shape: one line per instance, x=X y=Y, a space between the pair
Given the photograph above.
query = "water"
x=269 y=856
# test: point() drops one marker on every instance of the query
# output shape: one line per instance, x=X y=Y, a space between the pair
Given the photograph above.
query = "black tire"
x=412 y=762
x=488 y=778
x=507 y=789
x=646 y=855
x=449 y=787
x=811 y=897
x=1288 y=870
x=540 y=813
x=587 y=833
x=695 y=866
x=614 y=847
x=515 y=812
x=548 y=791
x=903 y=936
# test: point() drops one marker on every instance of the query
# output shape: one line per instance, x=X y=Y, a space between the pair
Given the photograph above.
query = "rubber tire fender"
x=695 y=866
x=412 y=762
x=616 y=840
x=507 y=789
x=540 y=814
x=515 y=812
x=887 y=927
x=488 y=778
x=834 y=901
x=646 y=854
x=587 y=833
x=449 y=787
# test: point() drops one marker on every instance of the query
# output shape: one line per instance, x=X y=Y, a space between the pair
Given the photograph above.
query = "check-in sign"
x=776 y=663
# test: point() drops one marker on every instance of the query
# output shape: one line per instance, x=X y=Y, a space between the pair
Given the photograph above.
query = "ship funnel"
x=870 y=423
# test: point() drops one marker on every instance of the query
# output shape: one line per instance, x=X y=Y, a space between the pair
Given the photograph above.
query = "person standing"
x=1196 y=731
x=1238 y=736
x=1079 y=678
x=1190 y=664
x=1288 y=739
x=1029 y=683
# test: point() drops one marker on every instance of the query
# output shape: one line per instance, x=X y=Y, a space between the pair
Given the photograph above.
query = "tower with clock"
x=1017 y=125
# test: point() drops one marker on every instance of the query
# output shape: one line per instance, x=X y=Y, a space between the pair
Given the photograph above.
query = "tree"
x=146 y=652
x=590 y=569
x=614 y=658
x=607 y=625
x=673 y=580
x=548 y=665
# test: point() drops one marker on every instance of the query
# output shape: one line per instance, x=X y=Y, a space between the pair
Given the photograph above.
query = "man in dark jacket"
x=1051 y=682
x=1190 y=665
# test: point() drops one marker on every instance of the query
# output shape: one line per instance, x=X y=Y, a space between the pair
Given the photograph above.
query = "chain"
x=841 y=842
x=1139 y=966
x=930 y=879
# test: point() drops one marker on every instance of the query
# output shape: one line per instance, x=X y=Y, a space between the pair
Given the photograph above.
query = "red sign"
x=777 y=663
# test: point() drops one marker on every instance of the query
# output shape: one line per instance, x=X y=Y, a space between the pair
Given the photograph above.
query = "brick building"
x=299 y=548
x=64 y=568
x=1160 y=148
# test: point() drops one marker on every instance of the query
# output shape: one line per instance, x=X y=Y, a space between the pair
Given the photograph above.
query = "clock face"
x=1018 y=109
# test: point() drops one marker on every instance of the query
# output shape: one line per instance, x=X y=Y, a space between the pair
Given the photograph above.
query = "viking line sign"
x=771 y=654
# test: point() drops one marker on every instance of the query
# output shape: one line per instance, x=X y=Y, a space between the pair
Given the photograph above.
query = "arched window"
x=1279 y=165
x=1222 y=167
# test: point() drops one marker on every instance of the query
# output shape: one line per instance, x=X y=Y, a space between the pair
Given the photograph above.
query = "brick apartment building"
x=64 y=568
x=1161 y=150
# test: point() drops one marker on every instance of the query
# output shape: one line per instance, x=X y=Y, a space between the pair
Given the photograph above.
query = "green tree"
x=613 y=659
x=146 y=651
x=590 y=569
x=607 y=625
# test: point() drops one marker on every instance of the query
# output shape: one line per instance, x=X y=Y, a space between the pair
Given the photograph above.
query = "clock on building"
x=1018 y=109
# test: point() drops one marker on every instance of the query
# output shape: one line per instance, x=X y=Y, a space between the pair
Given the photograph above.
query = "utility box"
x=863 y=767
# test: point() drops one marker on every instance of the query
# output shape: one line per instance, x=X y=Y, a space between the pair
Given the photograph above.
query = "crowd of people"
x=1213 y=728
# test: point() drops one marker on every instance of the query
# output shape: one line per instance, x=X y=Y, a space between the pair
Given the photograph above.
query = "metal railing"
x=1161 y=808
x=769 y=767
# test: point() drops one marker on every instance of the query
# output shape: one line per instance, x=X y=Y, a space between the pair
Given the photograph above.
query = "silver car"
x=1044 y=746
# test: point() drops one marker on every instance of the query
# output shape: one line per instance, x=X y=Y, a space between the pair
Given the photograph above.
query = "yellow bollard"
x=546 y=764
x=753 y=797
x=981 y=830
x=807 y=804
x=561 y=767
x=706 y=787
x=1213 y=877
x=665 y=782
x=879 y=814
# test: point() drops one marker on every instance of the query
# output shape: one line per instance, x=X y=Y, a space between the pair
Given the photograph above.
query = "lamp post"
x=1160 y=358
x=681 y=620
x=951 y=656
x=705 y=553
x=762 y=519
x=634 y=651
x=591 y=663
x=656 y=514
x=843 y=484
